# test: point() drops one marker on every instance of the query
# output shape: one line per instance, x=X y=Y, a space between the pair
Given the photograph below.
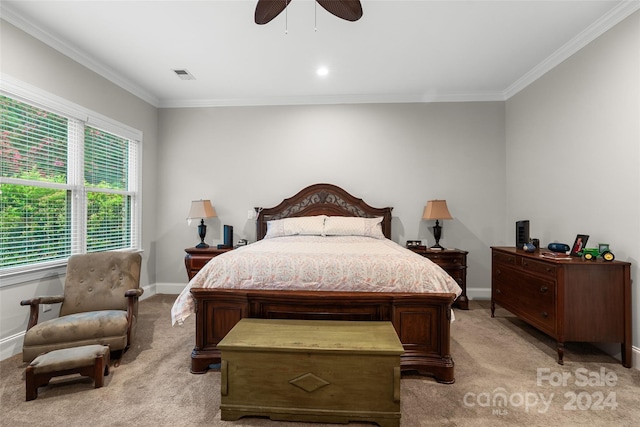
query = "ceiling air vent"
x=184 y=74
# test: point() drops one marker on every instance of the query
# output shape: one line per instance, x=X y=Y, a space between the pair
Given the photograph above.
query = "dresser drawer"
x=541 y=315
x=540 y=267
x=530 y=297
x=530 y=287
x=499 y=257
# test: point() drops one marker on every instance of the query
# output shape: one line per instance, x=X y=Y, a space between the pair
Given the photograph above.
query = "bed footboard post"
x=217 y=312
x=423 y=324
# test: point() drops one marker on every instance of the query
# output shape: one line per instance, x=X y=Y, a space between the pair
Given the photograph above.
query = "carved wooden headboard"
x=322 y=199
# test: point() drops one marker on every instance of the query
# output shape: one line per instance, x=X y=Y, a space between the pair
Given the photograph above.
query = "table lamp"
x=201 y=209
x=436 y=209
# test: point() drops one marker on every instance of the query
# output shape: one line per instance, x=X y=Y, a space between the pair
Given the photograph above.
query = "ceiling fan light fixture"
x=349 y=10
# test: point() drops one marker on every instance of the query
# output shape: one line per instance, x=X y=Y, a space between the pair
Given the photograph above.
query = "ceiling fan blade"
x=350 y=10
x=266 y=10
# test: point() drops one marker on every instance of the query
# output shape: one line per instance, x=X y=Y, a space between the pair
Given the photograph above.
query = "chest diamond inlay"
x=309 y=382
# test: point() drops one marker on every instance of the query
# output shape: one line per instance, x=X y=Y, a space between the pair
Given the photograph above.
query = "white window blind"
x=106 y=175
x=66 y=187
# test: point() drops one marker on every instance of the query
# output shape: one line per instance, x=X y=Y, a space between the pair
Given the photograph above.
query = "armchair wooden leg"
x=32 y=388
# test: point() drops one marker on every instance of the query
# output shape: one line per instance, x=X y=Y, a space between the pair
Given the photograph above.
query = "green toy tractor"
x=602 y=250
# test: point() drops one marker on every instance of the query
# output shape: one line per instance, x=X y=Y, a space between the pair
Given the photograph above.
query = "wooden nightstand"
x=454 y=262
x=196 y=258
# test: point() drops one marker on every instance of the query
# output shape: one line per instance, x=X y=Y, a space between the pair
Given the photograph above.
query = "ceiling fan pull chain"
x=286 y=18
x=315 y=16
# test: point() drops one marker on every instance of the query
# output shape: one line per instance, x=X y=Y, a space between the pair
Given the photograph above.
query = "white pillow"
x=304 y=225
x=353 y=226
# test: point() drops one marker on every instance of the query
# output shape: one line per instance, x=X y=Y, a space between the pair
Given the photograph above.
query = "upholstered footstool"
x=89 y=361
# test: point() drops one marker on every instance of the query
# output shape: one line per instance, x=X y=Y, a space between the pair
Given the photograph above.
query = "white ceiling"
x=399 y=51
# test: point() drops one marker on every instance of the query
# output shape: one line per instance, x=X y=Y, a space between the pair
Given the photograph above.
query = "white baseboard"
x=169 y=288
x=10 y=346
x=479 y=293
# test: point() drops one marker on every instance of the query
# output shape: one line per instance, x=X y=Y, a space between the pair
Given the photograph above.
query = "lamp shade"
x=201 y=209
x=436 y=209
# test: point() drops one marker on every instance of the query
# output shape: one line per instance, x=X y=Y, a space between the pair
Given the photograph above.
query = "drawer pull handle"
x=549 y=269
x=544 y=314
x=498 y=291
x=525 y=263
x=543 y=289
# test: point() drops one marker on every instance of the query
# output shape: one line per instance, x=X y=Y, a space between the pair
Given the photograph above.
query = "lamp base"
x=202 y=232
x=436 y=247
x=437 y=232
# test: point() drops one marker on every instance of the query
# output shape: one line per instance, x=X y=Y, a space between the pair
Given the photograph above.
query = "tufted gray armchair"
x=99 y=305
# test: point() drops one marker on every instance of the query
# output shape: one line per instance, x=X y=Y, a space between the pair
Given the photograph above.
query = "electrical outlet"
x=251 y=214
x=46 y=307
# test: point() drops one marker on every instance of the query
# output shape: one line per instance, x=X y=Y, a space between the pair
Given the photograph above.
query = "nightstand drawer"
x=197 y=262
x=196 y=258
x=452 y=257
x=454 y=262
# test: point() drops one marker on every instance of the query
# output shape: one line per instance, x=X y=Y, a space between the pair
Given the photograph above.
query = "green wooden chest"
x=311 y=370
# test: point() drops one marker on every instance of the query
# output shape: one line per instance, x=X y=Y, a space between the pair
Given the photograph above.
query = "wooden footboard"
x=422 y=321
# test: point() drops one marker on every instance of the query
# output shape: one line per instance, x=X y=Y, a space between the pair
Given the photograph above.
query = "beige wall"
x=398 y=155
x=33 y=63
x=573 y=150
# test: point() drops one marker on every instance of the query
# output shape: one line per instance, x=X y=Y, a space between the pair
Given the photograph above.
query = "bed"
x=417 y=303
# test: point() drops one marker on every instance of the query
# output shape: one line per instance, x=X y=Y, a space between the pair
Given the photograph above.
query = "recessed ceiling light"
x=322 y=71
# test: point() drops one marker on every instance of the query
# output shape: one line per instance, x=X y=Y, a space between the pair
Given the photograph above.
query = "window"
x=68 y=185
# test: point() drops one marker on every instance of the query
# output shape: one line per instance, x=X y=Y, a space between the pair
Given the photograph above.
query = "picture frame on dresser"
x=579 y=244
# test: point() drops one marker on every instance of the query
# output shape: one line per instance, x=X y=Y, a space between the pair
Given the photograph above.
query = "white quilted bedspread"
x=336 y=263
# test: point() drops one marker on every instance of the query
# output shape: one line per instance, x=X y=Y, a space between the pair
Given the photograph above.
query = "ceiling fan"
x=350 y=10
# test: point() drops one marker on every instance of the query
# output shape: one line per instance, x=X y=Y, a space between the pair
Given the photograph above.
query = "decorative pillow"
x=304 y=225
x=353 y=226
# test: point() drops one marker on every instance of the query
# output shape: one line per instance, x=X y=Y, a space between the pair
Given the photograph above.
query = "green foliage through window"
x=51 y=203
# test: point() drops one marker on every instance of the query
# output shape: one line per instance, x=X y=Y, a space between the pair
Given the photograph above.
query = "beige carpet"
x=494 y=357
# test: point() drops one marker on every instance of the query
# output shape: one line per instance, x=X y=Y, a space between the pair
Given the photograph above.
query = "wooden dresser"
x=454 y=262
x=570 y=300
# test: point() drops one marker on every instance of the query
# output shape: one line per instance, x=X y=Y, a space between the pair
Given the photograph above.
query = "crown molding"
x=81 y=57
x=602 y=25
x=334 y=99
